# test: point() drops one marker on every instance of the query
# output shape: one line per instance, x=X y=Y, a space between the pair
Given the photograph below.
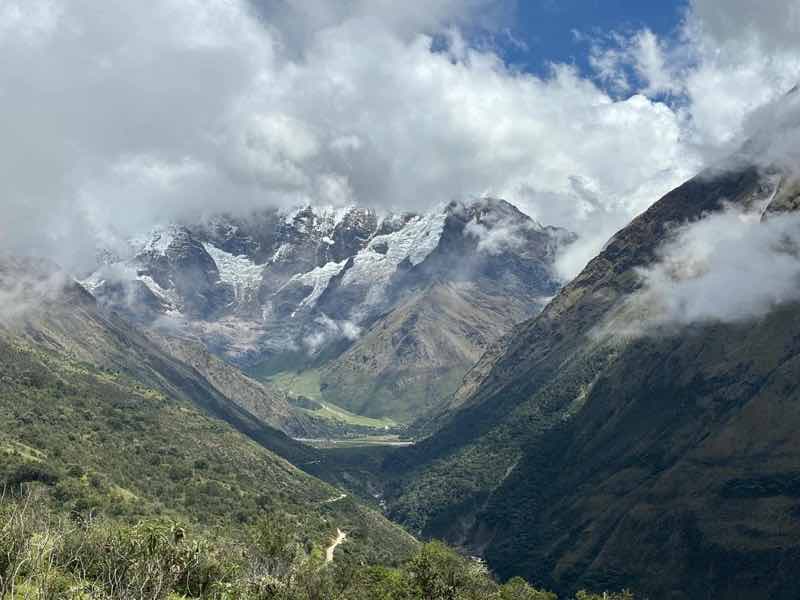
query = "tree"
x=519 y=589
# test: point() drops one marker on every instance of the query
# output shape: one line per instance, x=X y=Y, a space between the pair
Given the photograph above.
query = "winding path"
x=341 y=536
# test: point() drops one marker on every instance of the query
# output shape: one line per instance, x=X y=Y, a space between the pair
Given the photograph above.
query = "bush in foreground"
x=49 y=556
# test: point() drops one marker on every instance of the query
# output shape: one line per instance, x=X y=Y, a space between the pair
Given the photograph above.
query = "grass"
x=23 y=450
x=103 y=444
x=360 y=442
x=44 y=556
x=333 y=412
x=302 y=383
x=307 y=383
x=122 y=493
x=399 y=395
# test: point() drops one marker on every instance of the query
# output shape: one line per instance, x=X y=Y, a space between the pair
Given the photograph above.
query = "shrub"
x=519 y=589
x=29 y=472
x=46 y=556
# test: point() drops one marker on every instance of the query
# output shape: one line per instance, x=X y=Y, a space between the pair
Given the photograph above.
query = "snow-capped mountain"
x=299 y=282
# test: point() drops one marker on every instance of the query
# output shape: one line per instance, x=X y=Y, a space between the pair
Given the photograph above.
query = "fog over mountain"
x=727 y=267
x=287 y=289
x=133 y=116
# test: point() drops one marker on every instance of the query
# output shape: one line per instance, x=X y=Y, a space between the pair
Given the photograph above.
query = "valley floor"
x=356 y=442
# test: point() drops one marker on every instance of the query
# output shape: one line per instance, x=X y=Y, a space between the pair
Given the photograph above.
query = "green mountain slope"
x=265 y=402
x=156 y=560
x=679 y=475
x=662 y=463
x=414 y=357
x=124 y=476
x=112 y=425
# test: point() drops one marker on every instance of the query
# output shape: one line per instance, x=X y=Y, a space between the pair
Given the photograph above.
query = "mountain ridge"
x=330 y=277
x=509 y=473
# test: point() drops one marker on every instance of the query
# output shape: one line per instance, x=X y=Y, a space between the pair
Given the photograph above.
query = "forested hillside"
x=603 y=445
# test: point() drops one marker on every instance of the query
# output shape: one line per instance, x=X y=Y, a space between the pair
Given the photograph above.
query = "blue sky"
x=545 y=27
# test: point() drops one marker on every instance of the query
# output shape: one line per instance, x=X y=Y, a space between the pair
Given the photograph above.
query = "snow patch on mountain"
x=156 y=242
x=393 y=221
x=108 y=273
x=321 y=219
x=375 y=265
x=168 y=297
x=240 y=272
x=283 y=252
x=333 y=215
x=125 y=273
x=318 y=279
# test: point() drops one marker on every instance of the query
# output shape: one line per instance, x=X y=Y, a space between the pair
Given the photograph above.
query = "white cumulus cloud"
x=125 y=116
x=727 y=267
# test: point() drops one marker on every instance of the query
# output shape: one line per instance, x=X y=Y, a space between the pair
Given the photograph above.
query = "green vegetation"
x=298 y=383
x=402 y=394
x=48 y=555
x=101 y=444
x=307 y=397
x=367 y=399
x=124 y=473
x=344 y=404
x=321 y=395
x=334 y=413
x=360 y=442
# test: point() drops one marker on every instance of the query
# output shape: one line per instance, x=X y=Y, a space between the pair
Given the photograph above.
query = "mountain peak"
x=273 y=277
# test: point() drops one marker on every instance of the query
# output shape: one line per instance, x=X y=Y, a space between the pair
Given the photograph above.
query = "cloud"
x=296 y=23
x=424 y=126
x=28 y=22
x=119 y=119
x=727 y=267
x=772 y=132
x=727 y=60
x=772 y=24
x=328 y=330
x=497 y=234
x=745 y=55
x=621 y=61
x=26 y=285
x=110 y=117
x=122 y=118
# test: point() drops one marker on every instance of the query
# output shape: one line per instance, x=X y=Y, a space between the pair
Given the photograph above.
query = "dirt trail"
x=341 y=536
